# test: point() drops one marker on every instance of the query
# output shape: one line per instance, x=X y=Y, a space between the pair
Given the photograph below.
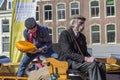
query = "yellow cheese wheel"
x=25 y=46
x=112 y=67
x=111 y=60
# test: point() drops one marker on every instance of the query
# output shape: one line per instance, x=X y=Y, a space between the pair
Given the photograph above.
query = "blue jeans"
x=29 y=57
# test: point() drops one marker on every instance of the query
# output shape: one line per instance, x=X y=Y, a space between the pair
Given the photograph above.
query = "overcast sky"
x=0 y=2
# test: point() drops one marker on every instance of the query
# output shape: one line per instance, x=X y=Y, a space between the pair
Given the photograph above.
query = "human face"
x=80 y=25
x=33 y=30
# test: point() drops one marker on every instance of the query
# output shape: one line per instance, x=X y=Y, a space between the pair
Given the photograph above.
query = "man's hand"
x=90 y=59
x=36 y=51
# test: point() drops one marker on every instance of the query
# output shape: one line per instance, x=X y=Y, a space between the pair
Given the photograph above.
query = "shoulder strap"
x=73 y=38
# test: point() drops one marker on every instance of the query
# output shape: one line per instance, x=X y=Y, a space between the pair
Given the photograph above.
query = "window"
x=95 y=9
x=95 y=34
x=110 y=33
x=5 y=35
x=9 y=4
x=48 y=12
x=5 y=26
x=37 y=13
x=50 y=32
x=60 y=30
x=61 y=11
x=110 y=8
x=5 y=44
x=75 y=8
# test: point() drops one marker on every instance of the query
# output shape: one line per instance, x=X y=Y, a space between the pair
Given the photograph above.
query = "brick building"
x=101 y=28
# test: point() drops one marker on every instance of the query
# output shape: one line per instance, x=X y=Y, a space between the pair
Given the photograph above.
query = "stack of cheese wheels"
x=25 y=46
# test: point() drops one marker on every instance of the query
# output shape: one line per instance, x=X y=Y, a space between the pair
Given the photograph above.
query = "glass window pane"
x=59 y=14
x=110 y=27
x=5 y=47
x=111 y=37
x=48 y=12
x=94 y=3
x=46 y=15
x=95 y=9
x=92 y=12
x=50 y=15
x=37 y=8
x=48 y=8
x=95 y=37
x=109 y=2
x=77 y=11
x=74 y=9
x=61 y=11
x=95 y=28
x=5 y=26
x=61 y=6
x=72 y=12
x=60 y=30
x=10 y=5
x=5 y=21
x=112 y=10
x=95 y=34
x=5 y=44
x=37 y=16
x=97 y=12
x=74 y=5
x=111 y=33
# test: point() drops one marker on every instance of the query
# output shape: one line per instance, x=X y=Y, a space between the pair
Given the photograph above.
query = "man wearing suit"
x=73 y=49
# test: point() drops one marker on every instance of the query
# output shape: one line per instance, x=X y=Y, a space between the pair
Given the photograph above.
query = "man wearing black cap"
x=39 y=36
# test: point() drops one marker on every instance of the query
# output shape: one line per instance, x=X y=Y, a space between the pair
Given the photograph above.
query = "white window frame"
x=60 y=10
x=97 y=31
x=49 y=11
x=110 y=6
x=6 y=34
x=8 y=25
x=94 y=8
x=9 y=1
x=38 y=13
x=3 y=43
x=74 y=8
x=112 y=31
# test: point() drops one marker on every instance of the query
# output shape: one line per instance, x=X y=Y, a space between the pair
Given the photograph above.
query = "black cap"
x=30 y=23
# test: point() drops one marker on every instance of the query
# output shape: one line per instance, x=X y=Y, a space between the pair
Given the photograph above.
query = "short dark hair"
x=78 y=17
x=30 y=23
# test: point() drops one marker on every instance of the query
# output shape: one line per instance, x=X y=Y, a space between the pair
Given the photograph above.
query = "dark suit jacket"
x=68 y=48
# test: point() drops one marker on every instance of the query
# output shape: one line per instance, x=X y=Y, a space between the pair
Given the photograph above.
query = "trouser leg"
x=93 y=70
x=24 y=63
x=50 y=53
x=102 y=69
x=83 y=68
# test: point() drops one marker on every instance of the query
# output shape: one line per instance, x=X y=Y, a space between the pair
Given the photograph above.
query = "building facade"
x=5 y=24
x=102 y=26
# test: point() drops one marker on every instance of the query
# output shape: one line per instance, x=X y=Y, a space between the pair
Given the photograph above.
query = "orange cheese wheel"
x=25 y=46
